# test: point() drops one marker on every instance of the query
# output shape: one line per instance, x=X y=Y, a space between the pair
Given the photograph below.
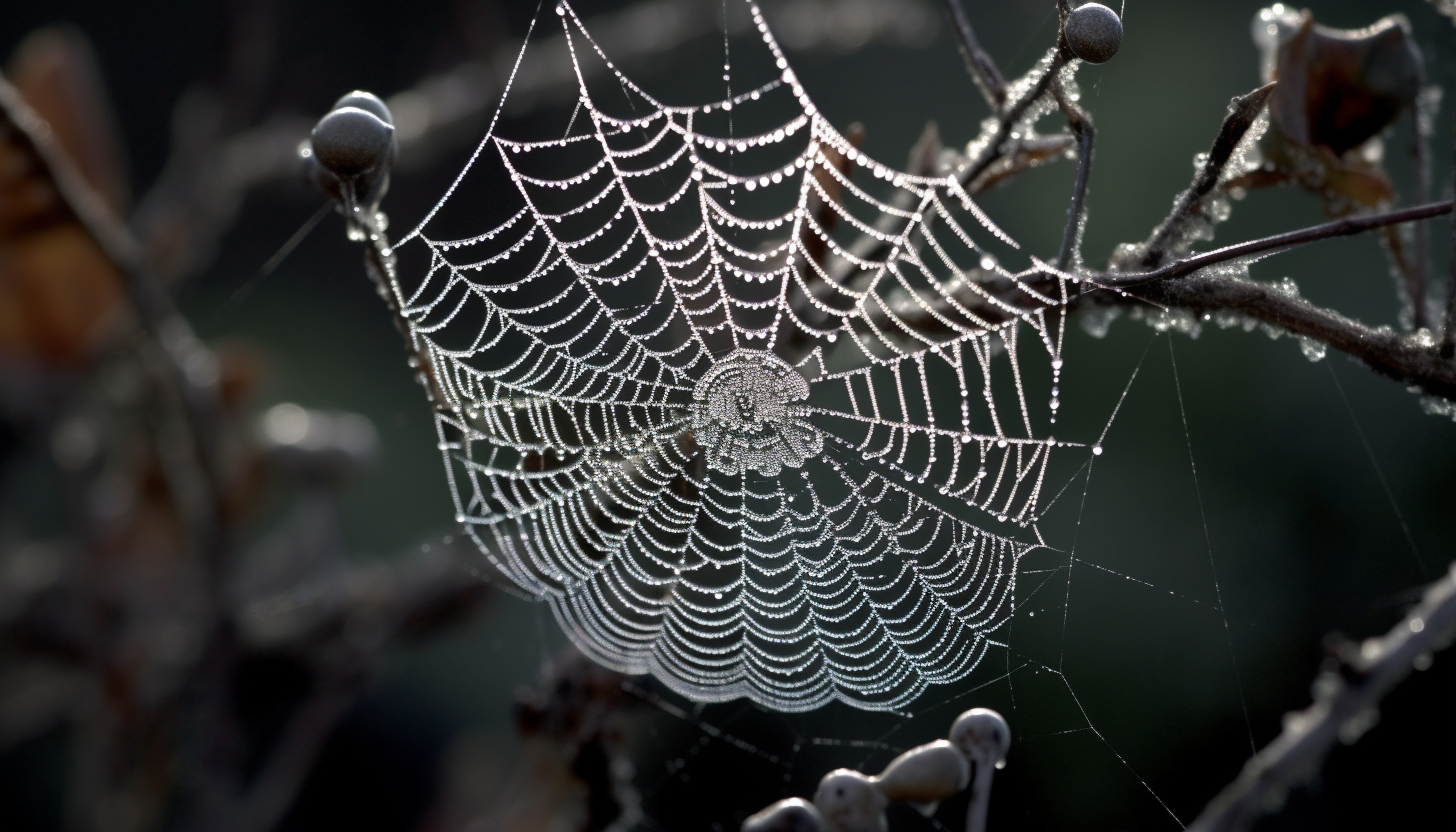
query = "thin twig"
x=1448 y=340
x=978 y=63
x=1007 y=120
x=869 y=247
x=1339 y=228
x=1081 y=124
x=334 y=691
x=1345 y=706
x=1405 y=357
x=1417 y=281
x=1242 y=112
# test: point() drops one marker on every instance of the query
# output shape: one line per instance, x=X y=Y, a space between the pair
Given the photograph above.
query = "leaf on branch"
x=1338 y=90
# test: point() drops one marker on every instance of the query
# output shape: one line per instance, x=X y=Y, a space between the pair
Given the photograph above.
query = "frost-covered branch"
x=1417 y=281
x=1189 y=207
x=1194 y=284
x=1086 y=135
x=982 y=166
x=1410 y=358
x=1345 y=227
x=1347 y=695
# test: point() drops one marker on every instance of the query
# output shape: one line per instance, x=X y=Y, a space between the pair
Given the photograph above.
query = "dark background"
x=1146 y=718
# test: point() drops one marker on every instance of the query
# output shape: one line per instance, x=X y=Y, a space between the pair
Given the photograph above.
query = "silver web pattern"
x=725 y=446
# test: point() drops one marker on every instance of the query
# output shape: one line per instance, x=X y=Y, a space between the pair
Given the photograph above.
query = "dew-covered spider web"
x=745 y=406
x=774 y=422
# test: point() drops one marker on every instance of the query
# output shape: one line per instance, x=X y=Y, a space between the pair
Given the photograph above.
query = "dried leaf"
x=59 y=295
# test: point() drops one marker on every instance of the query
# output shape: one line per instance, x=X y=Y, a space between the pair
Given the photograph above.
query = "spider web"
x=742 y=416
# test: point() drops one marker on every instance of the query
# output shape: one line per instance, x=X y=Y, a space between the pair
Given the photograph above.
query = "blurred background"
x=369 y=676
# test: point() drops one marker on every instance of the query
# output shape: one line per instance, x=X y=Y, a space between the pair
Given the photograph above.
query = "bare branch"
x=1448 y=339
x=1416 y=275
x=1346 y=698
x=993 y=150
x=1081 y=124
x=978 y=63
x=1406 y=357
x=1007 y=119
x=1242 y=112
x=1345 y=227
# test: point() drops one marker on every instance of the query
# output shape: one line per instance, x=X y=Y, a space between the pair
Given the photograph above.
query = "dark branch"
x=1339 y=228
x=1405 y=357
x=1417 y=283
x=978 y=63
x=1007 y=120
x=869 y=248
x=1086 y=134
x=1448 y=340
x=1242 y=112
x=1346 y=698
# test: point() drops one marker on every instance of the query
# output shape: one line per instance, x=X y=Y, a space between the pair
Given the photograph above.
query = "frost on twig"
x=1007 y=144
x=1197 y=210
x=1189 y=284
x=1080 y=121
x=1347 y=695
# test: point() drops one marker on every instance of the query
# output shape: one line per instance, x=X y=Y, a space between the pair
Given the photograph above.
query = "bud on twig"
x=350 y=154
x=1094 y=32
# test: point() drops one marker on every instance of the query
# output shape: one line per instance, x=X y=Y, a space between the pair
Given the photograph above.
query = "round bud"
x=849 y=802
x=366 y=101
x=982 y=735
x=792 y=814
x=1094 y=32
x=925 y=775
x=351 y=141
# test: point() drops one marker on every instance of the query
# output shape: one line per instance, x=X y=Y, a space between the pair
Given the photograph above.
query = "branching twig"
x=1345 y=706
x=1243 y=111
x=1405 y=357
x=1408 y=358
x=869 y=247
x=1338 y=228
x=1007 y=120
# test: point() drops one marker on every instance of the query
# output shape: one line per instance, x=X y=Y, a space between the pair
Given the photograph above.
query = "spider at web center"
x=746 y=415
